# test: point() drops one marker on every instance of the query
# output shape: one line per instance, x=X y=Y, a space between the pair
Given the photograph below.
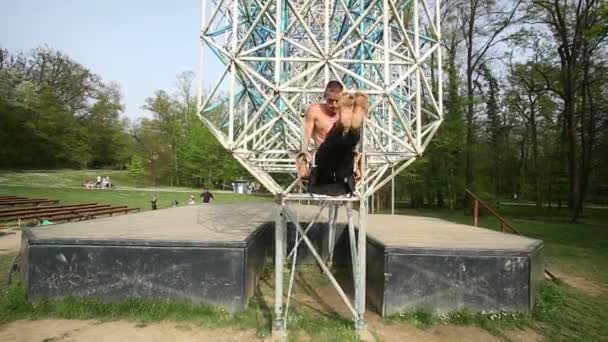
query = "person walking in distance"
x=206 y=196
x=154 y=202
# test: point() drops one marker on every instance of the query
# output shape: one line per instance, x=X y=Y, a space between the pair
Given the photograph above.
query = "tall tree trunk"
x=470 y=140
x=535 y=166
x=567 y=79
x=587 y=133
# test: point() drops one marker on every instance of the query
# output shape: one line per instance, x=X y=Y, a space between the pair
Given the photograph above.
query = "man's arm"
x=309 y=125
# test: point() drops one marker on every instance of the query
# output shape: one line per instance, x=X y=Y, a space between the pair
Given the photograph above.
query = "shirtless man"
x=338 y=119
x=319 y=119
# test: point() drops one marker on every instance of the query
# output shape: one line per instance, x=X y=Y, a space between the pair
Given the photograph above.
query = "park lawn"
x=132 y=198
x=62 y=178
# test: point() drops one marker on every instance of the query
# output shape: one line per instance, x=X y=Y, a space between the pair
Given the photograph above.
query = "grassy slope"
x=132 y=198
x=64 y=185
x=62 y=178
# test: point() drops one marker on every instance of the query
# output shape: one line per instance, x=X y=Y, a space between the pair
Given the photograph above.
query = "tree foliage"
x=526 y=113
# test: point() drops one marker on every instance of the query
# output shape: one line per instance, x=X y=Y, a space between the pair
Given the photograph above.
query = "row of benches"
x=70 y=212
x=8 y=200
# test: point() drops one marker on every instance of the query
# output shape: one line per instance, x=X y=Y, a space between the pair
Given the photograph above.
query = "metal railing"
x=504 y=223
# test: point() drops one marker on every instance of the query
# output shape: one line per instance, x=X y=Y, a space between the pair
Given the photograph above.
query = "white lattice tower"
x=277 y=56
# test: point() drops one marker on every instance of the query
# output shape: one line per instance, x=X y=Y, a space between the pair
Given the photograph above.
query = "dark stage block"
x=425 y=263
x=210 y=254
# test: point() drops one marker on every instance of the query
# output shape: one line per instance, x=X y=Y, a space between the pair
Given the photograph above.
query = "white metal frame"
x=285 y=214
x=279 y=54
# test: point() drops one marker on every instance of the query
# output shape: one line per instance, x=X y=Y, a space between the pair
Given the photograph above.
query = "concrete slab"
x=196 y=225
x=425 y=263
x=208 y=254
x=396 y=232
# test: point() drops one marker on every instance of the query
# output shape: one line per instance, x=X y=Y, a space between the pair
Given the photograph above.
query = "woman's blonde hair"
x=352 y=109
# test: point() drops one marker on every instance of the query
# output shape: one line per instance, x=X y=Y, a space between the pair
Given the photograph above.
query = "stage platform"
x=211 y=254
x=418 y=262
x=214 y=254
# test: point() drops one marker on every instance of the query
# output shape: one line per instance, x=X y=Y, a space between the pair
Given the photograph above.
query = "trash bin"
x=240 y=186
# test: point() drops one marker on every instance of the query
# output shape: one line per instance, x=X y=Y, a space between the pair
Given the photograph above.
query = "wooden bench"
x=114 y=211
x=87 y=215
x=13 y=212
x=67 y=211
x=12 y=197
x=35 y=201
x=20 y=199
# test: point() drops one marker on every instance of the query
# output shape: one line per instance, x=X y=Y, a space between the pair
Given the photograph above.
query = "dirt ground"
x=92 y=331
x=582 y=284
x=10 y=241
x=81 y=330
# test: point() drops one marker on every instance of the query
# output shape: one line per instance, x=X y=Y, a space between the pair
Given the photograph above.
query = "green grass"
x=14 y=306
x=563 y=314
x=62 y=178
x=133 y=198
x=560 y=314
x=5 y=264
x=497 y=323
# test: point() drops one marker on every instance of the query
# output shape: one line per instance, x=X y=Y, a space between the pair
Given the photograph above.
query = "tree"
x=579 y=32
x=483 y=25
x=136 y=167
x=526 y=99
x=105 y=129
x=68 y=116
x=494 y=128
x=163 y=107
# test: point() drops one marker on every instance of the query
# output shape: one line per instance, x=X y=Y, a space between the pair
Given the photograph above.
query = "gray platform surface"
x=221 y=224
x=197 y=225
x=426 y=233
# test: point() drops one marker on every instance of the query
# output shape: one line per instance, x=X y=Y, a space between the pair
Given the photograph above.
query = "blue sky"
x=142 y=45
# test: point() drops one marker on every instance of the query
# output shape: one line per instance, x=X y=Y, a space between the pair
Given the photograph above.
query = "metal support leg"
x=333 y=218
x=279 y=325
x=319 y=260
x=310 y=225
x=360 y=323
x=353 y=252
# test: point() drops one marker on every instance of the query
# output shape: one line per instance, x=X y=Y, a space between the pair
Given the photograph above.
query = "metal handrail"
x=503 y=221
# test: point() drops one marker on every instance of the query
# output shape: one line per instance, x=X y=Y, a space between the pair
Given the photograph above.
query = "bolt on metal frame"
x=277 y=56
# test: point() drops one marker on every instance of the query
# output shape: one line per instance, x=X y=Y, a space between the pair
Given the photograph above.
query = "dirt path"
x=584 y=285
x=78 y=330
x=88 y=330
x=9 y=243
